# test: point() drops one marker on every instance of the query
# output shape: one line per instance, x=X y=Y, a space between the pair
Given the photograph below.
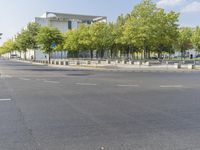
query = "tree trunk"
x=111 y=53
x=34 y=58
x=49 y=57
x=91 y=54
x=149 y=54
x=25 y=55
x=61 y=54
x=102 y=53
x=144 y=54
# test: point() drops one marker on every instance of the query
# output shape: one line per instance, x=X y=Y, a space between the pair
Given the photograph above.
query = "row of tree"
x=146 y=30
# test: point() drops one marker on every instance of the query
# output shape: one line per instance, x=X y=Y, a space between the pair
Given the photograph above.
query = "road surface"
x=44 y=108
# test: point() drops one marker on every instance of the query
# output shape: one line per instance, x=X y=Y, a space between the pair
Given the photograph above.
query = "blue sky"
x=15 y=14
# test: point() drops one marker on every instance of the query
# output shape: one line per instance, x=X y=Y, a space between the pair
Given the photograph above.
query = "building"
x=191 y=53
x=63 y=22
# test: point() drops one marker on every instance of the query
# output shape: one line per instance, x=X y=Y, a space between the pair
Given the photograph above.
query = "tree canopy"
x=48 y=38
x=146 y=30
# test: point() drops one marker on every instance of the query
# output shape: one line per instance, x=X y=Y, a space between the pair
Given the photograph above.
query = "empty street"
x=44 y=108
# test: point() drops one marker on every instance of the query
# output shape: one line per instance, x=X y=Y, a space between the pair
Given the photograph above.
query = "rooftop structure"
x=65 y=22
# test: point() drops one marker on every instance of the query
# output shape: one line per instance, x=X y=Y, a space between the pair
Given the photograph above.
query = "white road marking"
x=90 y=84
x=5 y=99
x=5 y=76
x=25 y=79
x=40 y=79
x=121 y=85
x=171 y=86
x=56 y=82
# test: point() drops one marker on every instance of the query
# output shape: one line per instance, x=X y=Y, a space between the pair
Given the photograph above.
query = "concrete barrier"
x=108 y=62
x=77 y=63
x=66 y=63
x=61 y=63
x=138 y=63
x=117 y=61
x=88 y=62
x=147 y=64
x=191 y=66
x=177 y=66
x=99 y=62
x=123 y=62
x=56 y=62
x=52 y=62
x=130 y=62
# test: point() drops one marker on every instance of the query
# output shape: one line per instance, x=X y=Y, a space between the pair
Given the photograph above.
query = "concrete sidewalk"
x=120 y=67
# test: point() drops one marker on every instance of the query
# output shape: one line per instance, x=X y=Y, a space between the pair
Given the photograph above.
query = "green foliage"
x=196 y=38
x=48 y=38
x=27 y=38
x=149 y=28
x=101 y=38
x=184 y=39
x=94 y=37
x=145 y=30
x=71 y=40
x=8 y=47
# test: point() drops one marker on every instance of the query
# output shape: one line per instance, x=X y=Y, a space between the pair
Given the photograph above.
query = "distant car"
x=13 y=56
x=154 y=58
x=198 y=56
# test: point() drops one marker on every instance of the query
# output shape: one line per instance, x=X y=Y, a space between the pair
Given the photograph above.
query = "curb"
x=113 y=68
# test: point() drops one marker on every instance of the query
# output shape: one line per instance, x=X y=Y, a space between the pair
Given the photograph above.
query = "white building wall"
x=41 y=21
x=40 y=55
x=188 y=53
x=61 y=25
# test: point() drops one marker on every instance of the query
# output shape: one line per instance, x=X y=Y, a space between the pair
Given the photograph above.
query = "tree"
x=101 y=38
x=140 y=26
x=8 y=47
x=184 y=40
x=71 y=41
x=22 y=41
x=166 y=31
x=27 y=38
x=120 y=42
x=196 y=38
x=48 y=38
x=84 y=39
x=150 y=28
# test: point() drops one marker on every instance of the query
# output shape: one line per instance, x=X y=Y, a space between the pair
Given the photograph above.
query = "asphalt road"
x=44 y=108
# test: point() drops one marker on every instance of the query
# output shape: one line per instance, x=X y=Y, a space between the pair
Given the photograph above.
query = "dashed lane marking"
x=25 y=79
x=7 y=99
x=171 y=86
x=123 y=85
x=55 y=82
x=89 y=84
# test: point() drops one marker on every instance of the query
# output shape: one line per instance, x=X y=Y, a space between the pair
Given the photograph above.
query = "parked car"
x=13 y=56
x=153 y=58
x=198 y=56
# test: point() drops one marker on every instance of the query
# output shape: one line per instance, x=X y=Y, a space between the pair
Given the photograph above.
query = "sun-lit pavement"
x=44 y=108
